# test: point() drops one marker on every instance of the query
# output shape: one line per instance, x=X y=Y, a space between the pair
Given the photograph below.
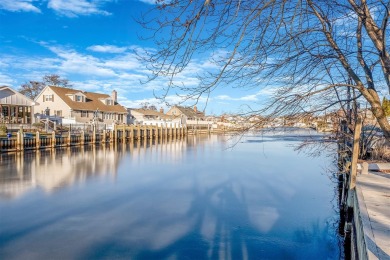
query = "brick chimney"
x=114 y=95
x=195 y=109
x=161 y=110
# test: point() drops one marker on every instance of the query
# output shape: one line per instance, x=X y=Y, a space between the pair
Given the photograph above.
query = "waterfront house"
x=77 y=106
x=153 y=117
x=187 y=113
x=190 y=117
x=15 y=108
x=141 y=115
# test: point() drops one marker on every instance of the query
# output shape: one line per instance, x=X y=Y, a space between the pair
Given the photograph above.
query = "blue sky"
x=92 y=43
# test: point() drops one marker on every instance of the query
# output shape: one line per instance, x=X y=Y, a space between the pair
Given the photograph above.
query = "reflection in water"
x=53 y=169
x=193 y=198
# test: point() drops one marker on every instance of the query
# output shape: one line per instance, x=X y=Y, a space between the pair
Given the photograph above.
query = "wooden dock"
x=371 y=206
x=23 y=141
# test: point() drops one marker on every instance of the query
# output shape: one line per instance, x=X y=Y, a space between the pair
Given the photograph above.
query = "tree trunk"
x=378 y=112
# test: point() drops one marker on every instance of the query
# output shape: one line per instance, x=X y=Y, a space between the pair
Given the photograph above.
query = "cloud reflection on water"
x=180 y=199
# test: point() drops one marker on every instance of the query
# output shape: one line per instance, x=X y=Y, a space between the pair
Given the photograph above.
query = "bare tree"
x=310 y=52
x=56 y=80
x=148 y=106
x=32 y=89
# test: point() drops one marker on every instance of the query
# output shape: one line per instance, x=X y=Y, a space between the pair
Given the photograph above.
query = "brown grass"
x=381 y=152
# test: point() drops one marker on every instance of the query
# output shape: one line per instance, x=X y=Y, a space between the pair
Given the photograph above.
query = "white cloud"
x=74 y=8
x=169 y=101
x=244 y=98
x=19 y=6
x=6 y=80
x=3 y=64
x=148 y=1
x=261 y=94
x=107 y=48
x=73 y=62
x=124 y=62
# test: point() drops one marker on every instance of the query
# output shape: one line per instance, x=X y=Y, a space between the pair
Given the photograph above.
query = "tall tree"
x=309 y=52
x=56 y=80
x=32 y=89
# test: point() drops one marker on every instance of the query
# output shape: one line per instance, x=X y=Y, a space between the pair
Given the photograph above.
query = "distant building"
x=15 y=108
x=147 y=115
x=80 y=106
x=143 y=116
x=186 y=113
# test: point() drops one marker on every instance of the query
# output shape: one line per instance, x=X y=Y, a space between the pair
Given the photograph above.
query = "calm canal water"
x=183 y=199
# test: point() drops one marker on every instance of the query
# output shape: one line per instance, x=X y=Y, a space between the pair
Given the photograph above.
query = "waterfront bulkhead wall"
x=120 y=134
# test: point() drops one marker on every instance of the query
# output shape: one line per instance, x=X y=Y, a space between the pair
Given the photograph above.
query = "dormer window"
x=79 y=98
x=107 y=101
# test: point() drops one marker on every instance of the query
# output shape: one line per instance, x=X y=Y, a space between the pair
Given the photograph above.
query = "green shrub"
x=39 y=125
x=3 y=129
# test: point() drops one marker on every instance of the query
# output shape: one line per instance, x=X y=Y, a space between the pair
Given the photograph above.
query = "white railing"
x=158 y=123
x=68 y=120
x=199 y=122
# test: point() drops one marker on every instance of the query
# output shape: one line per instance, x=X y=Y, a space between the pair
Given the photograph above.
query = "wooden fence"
x=121 y=133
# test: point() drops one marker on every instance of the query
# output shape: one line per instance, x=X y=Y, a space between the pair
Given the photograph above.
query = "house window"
x=79 y=98
x=47 y=98
x=58 y=113
x=84 y=113
x=5 y=111
x=20 y=112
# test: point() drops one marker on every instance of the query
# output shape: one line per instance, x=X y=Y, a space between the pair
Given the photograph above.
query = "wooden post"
x=69 y=138
x=104 y=139
x=37 y=140
x=131 y=132
x=94 y=135
x=82 y=137
x=111 y=136
x=145 y=132
x=17 y=141
x=114 y=134
x=53 y=139
x=123 y=134
x=20 y=140
x=355 y=153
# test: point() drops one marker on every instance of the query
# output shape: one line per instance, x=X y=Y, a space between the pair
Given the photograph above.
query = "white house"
x=80 y=106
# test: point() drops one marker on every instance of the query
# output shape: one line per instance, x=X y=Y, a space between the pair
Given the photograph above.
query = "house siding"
x=56 y=105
